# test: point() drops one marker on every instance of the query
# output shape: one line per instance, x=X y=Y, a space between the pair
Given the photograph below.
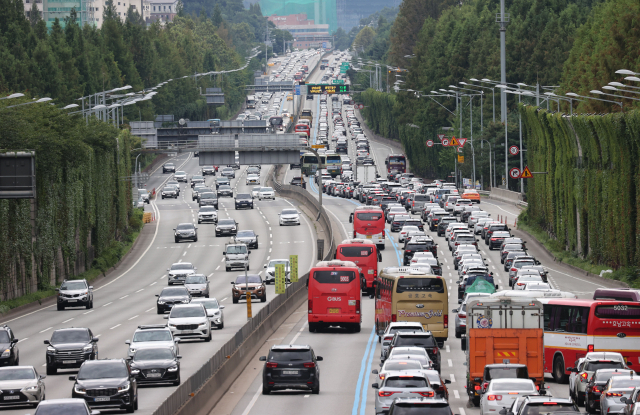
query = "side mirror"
x=375 y=386
x=224 y=252
x=58 y=289
x=572 y=369
x=629 y=364
x=91 y=287
x=262 y=358
x=177 y=340
x=95 y=412
x=168 y=268
x=127 y=342
x=319 y=358
x=625 y=400
x=447 y=381
x=166 y=317
x=72 y=378
x=157 y=295
x=43 y=376
x=496 y=286
x=455 y=310
x=178 y=357
x=374 y=371
x=46 y=342
x=249 y=251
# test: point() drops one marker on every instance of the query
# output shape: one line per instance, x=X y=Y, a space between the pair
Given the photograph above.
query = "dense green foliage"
x=71 y=62
x=83 y=200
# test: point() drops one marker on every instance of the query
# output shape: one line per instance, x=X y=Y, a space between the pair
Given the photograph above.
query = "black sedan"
x=171 y=296
x=159 y=365
x=244 y=200
x=248 y=238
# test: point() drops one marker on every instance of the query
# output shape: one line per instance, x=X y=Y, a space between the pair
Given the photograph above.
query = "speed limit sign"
x=445 y=142
x=514 y=173
x=514 y=150
x=429 y=143
x=361 y=106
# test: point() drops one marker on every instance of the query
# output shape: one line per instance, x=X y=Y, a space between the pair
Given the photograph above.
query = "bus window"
x=334 y=277
x=420 y=284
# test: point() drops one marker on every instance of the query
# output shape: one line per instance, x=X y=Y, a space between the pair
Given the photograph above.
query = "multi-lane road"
x=349 y=357
x=126 y=298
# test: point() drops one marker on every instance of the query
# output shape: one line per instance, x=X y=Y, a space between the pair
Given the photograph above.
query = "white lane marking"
x=189 y=246
x=462 y=412
x=210 y=275
x=117 y=325
x=90 y=311
x=185 y=253
x=66 y=321
x=133 y=317
x=253 y=401
x=450 y=362
x=146 y=311
x=141 y=289
x=21 y=340
x=306 y=396
x=47 y=329
x=108 y=304
x=153 y=283
x=218 y=267
x=456 y=394
x=162 y=276
x=453 y=378
x=122 y=298
x=224 y=298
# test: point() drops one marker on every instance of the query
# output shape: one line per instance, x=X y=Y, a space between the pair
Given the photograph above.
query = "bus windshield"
x=334 y=277
x=396 y=160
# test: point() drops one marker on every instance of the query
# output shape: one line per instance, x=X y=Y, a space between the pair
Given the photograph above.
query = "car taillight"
x=464 y=315
x=358 y=306
x=394 y=318
x=446 y=321
x=596 y=389
x=514 y=269
x=614 y=394
x=521 y=283
x=310 y=306
x=485 y=385
x=272 y=365
x=583 y=376
x=494 y=239
x=354 y=234
x=311 y=364
x=435 y=350
x=494 y=397
x=425 y=394
x=477 y=387
x=590 y=348
x=457 y=244
x=382 y=393
x=537 y=387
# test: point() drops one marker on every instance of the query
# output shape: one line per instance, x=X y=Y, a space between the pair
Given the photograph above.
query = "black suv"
x=107 y=384
x=398 y=222
x=70 y=348
x=418 y=339
x=75 y=293
x=248 y=238
x=244 y=200
x=444 y=223
x=226 y=226
x=208 y=198
x=156 y=365
x=418 y=244
x=185 y=231
x=225 y=190
x=410 y=406
x=291 y=367
x=10 y=353
x=169 y=168
x=170 y=296
x=298 y=181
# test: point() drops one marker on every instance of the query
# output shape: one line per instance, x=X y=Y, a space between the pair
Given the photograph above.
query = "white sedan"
x=266 y=193
x=289 y=217
x=253 y=179
x=405 y=230
x=502 y=392
x=255 y=191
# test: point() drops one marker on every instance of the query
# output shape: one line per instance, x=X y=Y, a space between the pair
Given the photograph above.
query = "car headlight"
x=160 y=302
x=51 y=349
x=6 y=353
x=124 y=388
x=79 y=389
x=30 y=389
x=135 y=371
x=88 y=348
x=172 y=369
x=185 y=301
x=233 y=228
x=172 y=325
x=204 y=325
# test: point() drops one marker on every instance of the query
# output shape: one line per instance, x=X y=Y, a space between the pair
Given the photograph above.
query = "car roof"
x=152 y=327
x=290 y=347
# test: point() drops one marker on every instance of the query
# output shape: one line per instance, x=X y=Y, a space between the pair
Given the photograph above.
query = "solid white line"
x=117 y=325
x=66 y=321
x=253 y=401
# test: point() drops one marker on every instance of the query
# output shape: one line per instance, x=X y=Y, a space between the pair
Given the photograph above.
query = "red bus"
x=298 y=76
x=368 y=223
x=303 y=128
x=334 y=295
x=574 y=327
x=396 y=163
x=365 y=255
x=305 y=68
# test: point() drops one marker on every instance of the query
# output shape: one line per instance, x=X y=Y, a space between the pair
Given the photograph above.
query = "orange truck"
x=504 y=331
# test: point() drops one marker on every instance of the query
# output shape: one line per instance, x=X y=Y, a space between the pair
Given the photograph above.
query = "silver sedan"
x=26 y=380
x=614 y=390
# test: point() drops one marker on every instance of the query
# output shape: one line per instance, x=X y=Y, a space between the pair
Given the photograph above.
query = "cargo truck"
x=365 y=174
x=503 y=330
x=307 y=115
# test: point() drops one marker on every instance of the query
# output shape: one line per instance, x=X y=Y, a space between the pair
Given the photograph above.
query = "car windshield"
x=152 y=336
x=17 y=374
x=103 y=370
x=208 y=195
x=418 y=341
x=400 y=365
x=184 y=265
x=289 y=212
x=227 y=222
x=196 y=279
x=246 y=234
x=266 y=189
x=197 y=178
x=290 y=355
x=74 y=285
x=185 y=226
x=421 y=408
x=153 y=354
x=185 y=312
x=243 y=196
x=256 y=189
x=180 y=173
x=207 y=209
x=237 y=249
x=70 y=336
x=209 y=304
x=251 y=279
x=67 y=408
x=174 y=292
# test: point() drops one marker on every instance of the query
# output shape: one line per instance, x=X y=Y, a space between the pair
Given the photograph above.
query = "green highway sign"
x=338 y=81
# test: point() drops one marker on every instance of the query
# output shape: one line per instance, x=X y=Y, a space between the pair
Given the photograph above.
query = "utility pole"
x=503 y=20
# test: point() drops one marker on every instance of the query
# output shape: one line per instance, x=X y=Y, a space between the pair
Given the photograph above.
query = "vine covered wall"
x=588 y=201
x=83 y=200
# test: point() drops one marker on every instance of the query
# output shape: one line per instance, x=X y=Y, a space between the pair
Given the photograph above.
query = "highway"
x=126 y=298
x=349 y=357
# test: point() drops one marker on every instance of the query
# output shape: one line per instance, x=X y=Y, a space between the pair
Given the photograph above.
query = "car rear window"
x=415 y=341
x=401 y=366
x=289 y=355
x=406 y=382
x=420 y=284
x=422 y=198
x=506 y=372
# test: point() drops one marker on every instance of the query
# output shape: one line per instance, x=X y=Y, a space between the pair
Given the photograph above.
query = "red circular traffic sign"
x=429 y=143
x=445 y=142
x=514 y=150
x=514 y=173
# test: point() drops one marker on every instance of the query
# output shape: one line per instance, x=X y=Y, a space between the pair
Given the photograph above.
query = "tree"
x=217 y=16
x=342 y=41
x=364 y=39
x=34 y=14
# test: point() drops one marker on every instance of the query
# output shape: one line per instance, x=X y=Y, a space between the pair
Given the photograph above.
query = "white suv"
x=190 y=321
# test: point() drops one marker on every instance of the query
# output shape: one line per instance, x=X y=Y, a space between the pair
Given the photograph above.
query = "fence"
x=204 y=388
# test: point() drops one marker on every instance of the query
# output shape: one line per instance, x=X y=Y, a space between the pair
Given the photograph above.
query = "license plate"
x=290 y=372
x=102 y=399
x=334 y=310
x=186 y=331
x=68 y=362
x=369 y=236
x=72 y=301
x=154 y=375
x=9 y=398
